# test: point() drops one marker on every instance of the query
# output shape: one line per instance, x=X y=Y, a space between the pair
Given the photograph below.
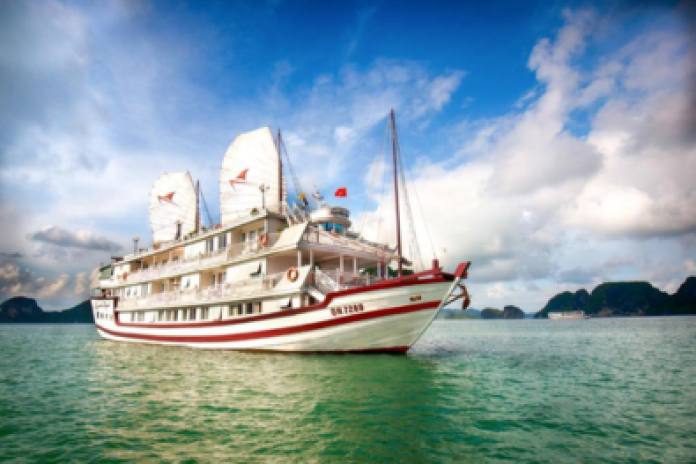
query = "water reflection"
x=248 y=404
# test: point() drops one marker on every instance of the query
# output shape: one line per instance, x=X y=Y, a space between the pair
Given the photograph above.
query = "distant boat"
x=567 y=315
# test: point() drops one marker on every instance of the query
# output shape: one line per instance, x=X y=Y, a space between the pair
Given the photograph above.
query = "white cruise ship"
x=268 y=276
x=567 y=315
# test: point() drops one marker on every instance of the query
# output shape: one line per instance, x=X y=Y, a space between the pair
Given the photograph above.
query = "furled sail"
x=250 y=164
x=172 y=202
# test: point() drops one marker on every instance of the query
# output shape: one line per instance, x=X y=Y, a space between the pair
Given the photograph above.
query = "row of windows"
x=136 y=290
x=107 y=317
x=201 y=314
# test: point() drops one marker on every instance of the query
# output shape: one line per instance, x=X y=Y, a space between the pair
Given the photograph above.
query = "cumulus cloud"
x=83 y=239
x=84 y=282
x=18 y=281
x=522 y=188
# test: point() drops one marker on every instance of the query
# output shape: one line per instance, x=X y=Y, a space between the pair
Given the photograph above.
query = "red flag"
x=342 y=192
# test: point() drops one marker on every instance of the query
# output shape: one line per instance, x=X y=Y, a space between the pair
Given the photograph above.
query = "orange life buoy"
x=293 y=274
x=263 y=239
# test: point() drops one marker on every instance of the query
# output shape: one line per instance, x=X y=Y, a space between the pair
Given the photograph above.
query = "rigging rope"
x=418 y=203
x=378 y=165
x=413 y=242
x=205 y=207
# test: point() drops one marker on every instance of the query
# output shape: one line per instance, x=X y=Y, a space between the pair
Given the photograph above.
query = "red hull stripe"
x=291 y=312
x=277 y=332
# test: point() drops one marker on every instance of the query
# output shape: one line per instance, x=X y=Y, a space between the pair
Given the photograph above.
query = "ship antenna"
x=396 y=191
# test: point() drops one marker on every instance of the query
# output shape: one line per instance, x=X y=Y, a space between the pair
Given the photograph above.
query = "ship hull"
x=382 y=318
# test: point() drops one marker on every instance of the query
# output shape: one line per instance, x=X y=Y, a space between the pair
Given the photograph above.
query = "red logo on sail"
x=168 y=197
x=241 y=178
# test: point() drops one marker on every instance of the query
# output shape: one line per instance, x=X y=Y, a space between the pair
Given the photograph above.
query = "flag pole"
x=396 y=191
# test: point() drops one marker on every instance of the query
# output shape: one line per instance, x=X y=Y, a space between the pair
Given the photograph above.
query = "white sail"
x=172 y=200
x=251 y=161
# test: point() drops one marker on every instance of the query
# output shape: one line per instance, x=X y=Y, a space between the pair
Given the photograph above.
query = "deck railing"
x=192 y=263
x=206 y=295
x=324 y=281
x=322 y=237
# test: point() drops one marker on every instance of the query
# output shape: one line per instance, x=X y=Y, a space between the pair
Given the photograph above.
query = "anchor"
x=464 y=294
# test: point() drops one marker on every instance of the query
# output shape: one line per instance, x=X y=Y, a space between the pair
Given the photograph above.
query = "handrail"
x=204 y=259
x=206 y=294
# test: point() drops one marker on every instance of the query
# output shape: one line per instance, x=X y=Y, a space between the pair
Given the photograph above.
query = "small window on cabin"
x=160 y=316
x=243 y=237
x=175 y=315
x=211 y=244
x=257 y=307
x=204 y=313
x=249 y=308
x=252 y=236
x=222 y=241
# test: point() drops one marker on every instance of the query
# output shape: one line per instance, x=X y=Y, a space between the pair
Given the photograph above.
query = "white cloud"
x=84 y=239
x=521 y=189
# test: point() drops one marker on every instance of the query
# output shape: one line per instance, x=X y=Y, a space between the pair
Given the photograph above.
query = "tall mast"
x=396 y=190
x=198 y=206
x=280 y=170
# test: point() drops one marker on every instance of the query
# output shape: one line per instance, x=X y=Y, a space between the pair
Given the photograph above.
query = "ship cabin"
x=269 y=260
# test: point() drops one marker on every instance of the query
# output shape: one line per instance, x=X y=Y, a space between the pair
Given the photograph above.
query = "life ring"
x=125 y=276
x=293 y=274
x=263 y=239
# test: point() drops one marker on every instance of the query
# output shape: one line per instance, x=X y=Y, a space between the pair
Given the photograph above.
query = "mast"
x=280 y=171
x=396 y=190
x=198 y=206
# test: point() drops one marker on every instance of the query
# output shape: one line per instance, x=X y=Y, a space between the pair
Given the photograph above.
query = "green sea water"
x=620 y=390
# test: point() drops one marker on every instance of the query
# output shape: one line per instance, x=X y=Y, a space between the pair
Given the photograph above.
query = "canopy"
x=251 y=162
x=172 y=200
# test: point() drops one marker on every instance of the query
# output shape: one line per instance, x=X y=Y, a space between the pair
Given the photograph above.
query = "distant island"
x=26 y=310
x=625 y=299
x=611 y=299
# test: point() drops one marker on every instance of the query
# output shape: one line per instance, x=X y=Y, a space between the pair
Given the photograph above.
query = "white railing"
x=329 y=281
x=209 y=232
x=205 y=295
x=191 y=263
x=322 y=237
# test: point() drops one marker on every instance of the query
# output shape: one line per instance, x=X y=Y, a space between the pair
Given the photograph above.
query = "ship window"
x=161 y=315
x=243 y=237
x=252 y=236
x=204 y=313
x=211 y=244
x=249 y=308
x=175 y=315
x=257 y=307
x=222 y=241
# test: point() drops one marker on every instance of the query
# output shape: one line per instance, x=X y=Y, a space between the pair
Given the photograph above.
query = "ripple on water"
x=619 y=389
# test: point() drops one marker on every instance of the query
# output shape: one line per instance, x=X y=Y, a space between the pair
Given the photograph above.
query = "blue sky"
x=551 y=142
